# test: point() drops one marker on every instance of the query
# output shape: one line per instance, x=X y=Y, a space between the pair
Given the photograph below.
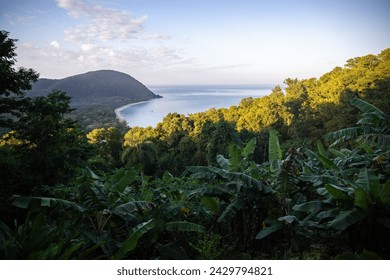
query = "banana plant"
x=104 y=211
x=282 y=176
x=352 y=181
x=38 y=238
x=373 y=127
x=239 y=192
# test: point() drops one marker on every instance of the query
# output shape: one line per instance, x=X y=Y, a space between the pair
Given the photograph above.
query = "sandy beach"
x=117 y=110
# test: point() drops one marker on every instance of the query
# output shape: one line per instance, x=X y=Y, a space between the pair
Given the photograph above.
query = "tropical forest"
x=301 y=173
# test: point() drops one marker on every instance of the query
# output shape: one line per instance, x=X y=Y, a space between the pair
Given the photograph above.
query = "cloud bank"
x=100 y=37
x=101 y=23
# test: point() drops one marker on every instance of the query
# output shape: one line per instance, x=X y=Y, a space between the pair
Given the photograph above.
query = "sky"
x=195 y=41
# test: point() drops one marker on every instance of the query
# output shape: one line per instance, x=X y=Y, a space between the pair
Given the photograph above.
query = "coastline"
x=117 y=110
x=186 y=100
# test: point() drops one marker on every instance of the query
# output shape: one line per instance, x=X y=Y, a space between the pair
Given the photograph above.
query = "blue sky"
x=195 y=41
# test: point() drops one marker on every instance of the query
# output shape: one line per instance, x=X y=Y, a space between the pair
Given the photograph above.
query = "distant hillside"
x=103 y=87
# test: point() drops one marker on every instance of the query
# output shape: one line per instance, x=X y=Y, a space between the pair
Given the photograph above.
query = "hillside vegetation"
x=303 y=113
x=300 y=174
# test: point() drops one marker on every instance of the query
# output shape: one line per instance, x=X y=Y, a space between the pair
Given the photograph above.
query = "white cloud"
x=102 y=23
x=87 y=47
x=84 y=46
x=156 y=36
x=111 y=53
x=55 y=44
x=52 y=62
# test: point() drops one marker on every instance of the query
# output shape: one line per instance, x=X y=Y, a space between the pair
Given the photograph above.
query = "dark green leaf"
x=272 y=227
x=364 y=106
x=328 y=163
x=132 y=206
x=223 y=162
x=132 y=240
x=328 y=213
x=321 y=149
x=310 y=206
x=347 y=218
x=362 y=200
x=124 y=177
x=26 y=202
x=210 y=203
x=369 y=182
x=288 y=219
x=249 y=148
x=337 y=192
x=274 y=150
x=184 y=226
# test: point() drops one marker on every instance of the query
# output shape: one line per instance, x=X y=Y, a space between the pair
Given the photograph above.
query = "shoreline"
x=117 y=110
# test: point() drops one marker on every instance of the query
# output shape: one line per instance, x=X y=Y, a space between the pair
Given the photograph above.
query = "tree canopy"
x=39 y=145
x=13 y=82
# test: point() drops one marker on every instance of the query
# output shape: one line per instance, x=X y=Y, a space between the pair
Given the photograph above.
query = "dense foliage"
x=302 y=173
x=304 y=112
x=90 y=117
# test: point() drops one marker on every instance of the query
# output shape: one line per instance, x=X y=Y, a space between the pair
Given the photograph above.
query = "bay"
x=186 y=100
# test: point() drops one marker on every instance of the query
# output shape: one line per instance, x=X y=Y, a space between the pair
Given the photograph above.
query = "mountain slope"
x=103 y=87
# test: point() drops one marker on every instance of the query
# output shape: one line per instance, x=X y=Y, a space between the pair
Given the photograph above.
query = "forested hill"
x=103 y=87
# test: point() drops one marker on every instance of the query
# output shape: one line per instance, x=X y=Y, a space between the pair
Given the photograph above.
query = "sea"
x=186 y=100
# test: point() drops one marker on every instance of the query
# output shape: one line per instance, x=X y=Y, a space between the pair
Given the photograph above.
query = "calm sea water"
x=186 y=100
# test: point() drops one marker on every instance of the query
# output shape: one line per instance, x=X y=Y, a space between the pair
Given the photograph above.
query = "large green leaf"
x=248 y=181
x=272 y=227
x=342 y=135
x=123 y=178
x=337 y=192
x=234 y=158
x=362 y=200
x=184 y=226
x=249 y=148
x=132 y=240
x=208 y=172
x=132 y=206
x=289 y=219
x=201 y=172
x=231 y=210
x=327 y=162
x=369 y=182
x=211 y=203
x=274 y=150
x=286 y=178
x=321 y=148
x=328 y=213
x=378 y=140
x=34 y=203
x=364 y=106
x=310 y=206
x=347 y=218
x=223 y=162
